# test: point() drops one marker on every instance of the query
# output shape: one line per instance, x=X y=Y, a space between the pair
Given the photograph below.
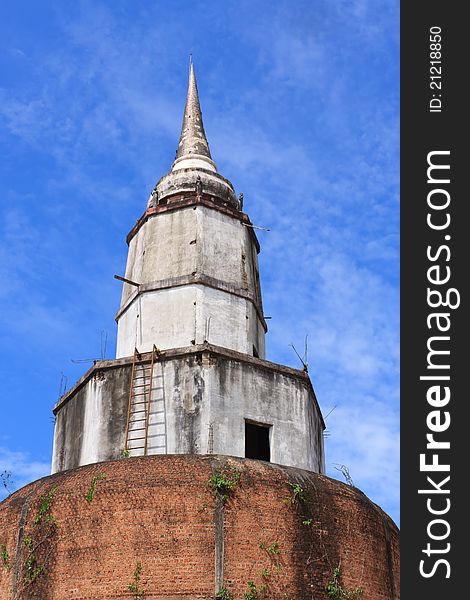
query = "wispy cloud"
x=364 y=436
x=23 y=469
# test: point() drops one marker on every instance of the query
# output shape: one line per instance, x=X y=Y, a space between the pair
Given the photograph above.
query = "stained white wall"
x=194 y=241
x=201 y=391
x=191 y=314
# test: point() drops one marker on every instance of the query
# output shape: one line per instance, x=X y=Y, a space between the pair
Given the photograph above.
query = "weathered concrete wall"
x=207 y=393
x=179 y=316
x=242 y=391
x=91 y=426
x=169 y=255
x=161 y=512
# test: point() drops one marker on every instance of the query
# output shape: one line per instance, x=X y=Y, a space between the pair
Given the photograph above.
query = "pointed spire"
x=193 y=143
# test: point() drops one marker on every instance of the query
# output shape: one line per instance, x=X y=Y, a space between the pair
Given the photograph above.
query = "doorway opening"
x=257 y=441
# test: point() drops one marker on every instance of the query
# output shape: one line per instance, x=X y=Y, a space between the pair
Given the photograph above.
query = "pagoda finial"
x=193 y=143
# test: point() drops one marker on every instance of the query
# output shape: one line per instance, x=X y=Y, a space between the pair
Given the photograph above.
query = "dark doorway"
x=257 y=441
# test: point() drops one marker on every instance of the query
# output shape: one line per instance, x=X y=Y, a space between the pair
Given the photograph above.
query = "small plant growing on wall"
x=5 y=557
x=346 y=474
x=336 y=591
x=32 y=568
x=45 y=507
x=254 y=591
x=7 y=481
x=266 y=574
x=224 y=594
x=36 y=543
x=91 y=492
x=272 y=549
x=134 y=586
x=224 y=482
x=298 y=493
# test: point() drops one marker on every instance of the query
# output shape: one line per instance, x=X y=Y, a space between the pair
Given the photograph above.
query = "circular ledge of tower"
x=188 y=179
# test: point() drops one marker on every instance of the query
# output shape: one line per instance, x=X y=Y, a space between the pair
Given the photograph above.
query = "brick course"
x=160 y=512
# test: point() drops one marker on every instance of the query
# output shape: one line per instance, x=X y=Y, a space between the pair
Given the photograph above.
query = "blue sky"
x=300 y=105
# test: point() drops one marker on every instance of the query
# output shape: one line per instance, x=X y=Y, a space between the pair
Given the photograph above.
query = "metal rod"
x=126 y=280
x=255 y=226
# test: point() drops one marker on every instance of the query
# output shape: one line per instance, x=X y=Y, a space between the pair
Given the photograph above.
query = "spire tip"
x=193 y=139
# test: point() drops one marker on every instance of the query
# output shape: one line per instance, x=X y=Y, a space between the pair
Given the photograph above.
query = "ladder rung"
x=145 y=396
x=142 y=407
x=146 y=384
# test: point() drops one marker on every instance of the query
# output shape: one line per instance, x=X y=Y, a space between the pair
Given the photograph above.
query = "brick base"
x=64 y=540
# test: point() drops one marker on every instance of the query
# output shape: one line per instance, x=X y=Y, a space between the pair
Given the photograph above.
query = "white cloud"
x=364 y=436
x=23 y=468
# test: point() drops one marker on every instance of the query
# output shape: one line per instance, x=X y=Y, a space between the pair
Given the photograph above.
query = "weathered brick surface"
x=161 y=512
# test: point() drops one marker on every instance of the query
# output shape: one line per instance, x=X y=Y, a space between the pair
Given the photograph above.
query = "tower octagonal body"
x=190 y=374
x=197 y=270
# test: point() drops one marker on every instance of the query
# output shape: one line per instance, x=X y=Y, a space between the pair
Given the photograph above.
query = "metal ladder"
x=146 y=415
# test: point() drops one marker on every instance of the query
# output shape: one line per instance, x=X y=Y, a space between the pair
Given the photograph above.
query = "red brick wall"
x=161 y=512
